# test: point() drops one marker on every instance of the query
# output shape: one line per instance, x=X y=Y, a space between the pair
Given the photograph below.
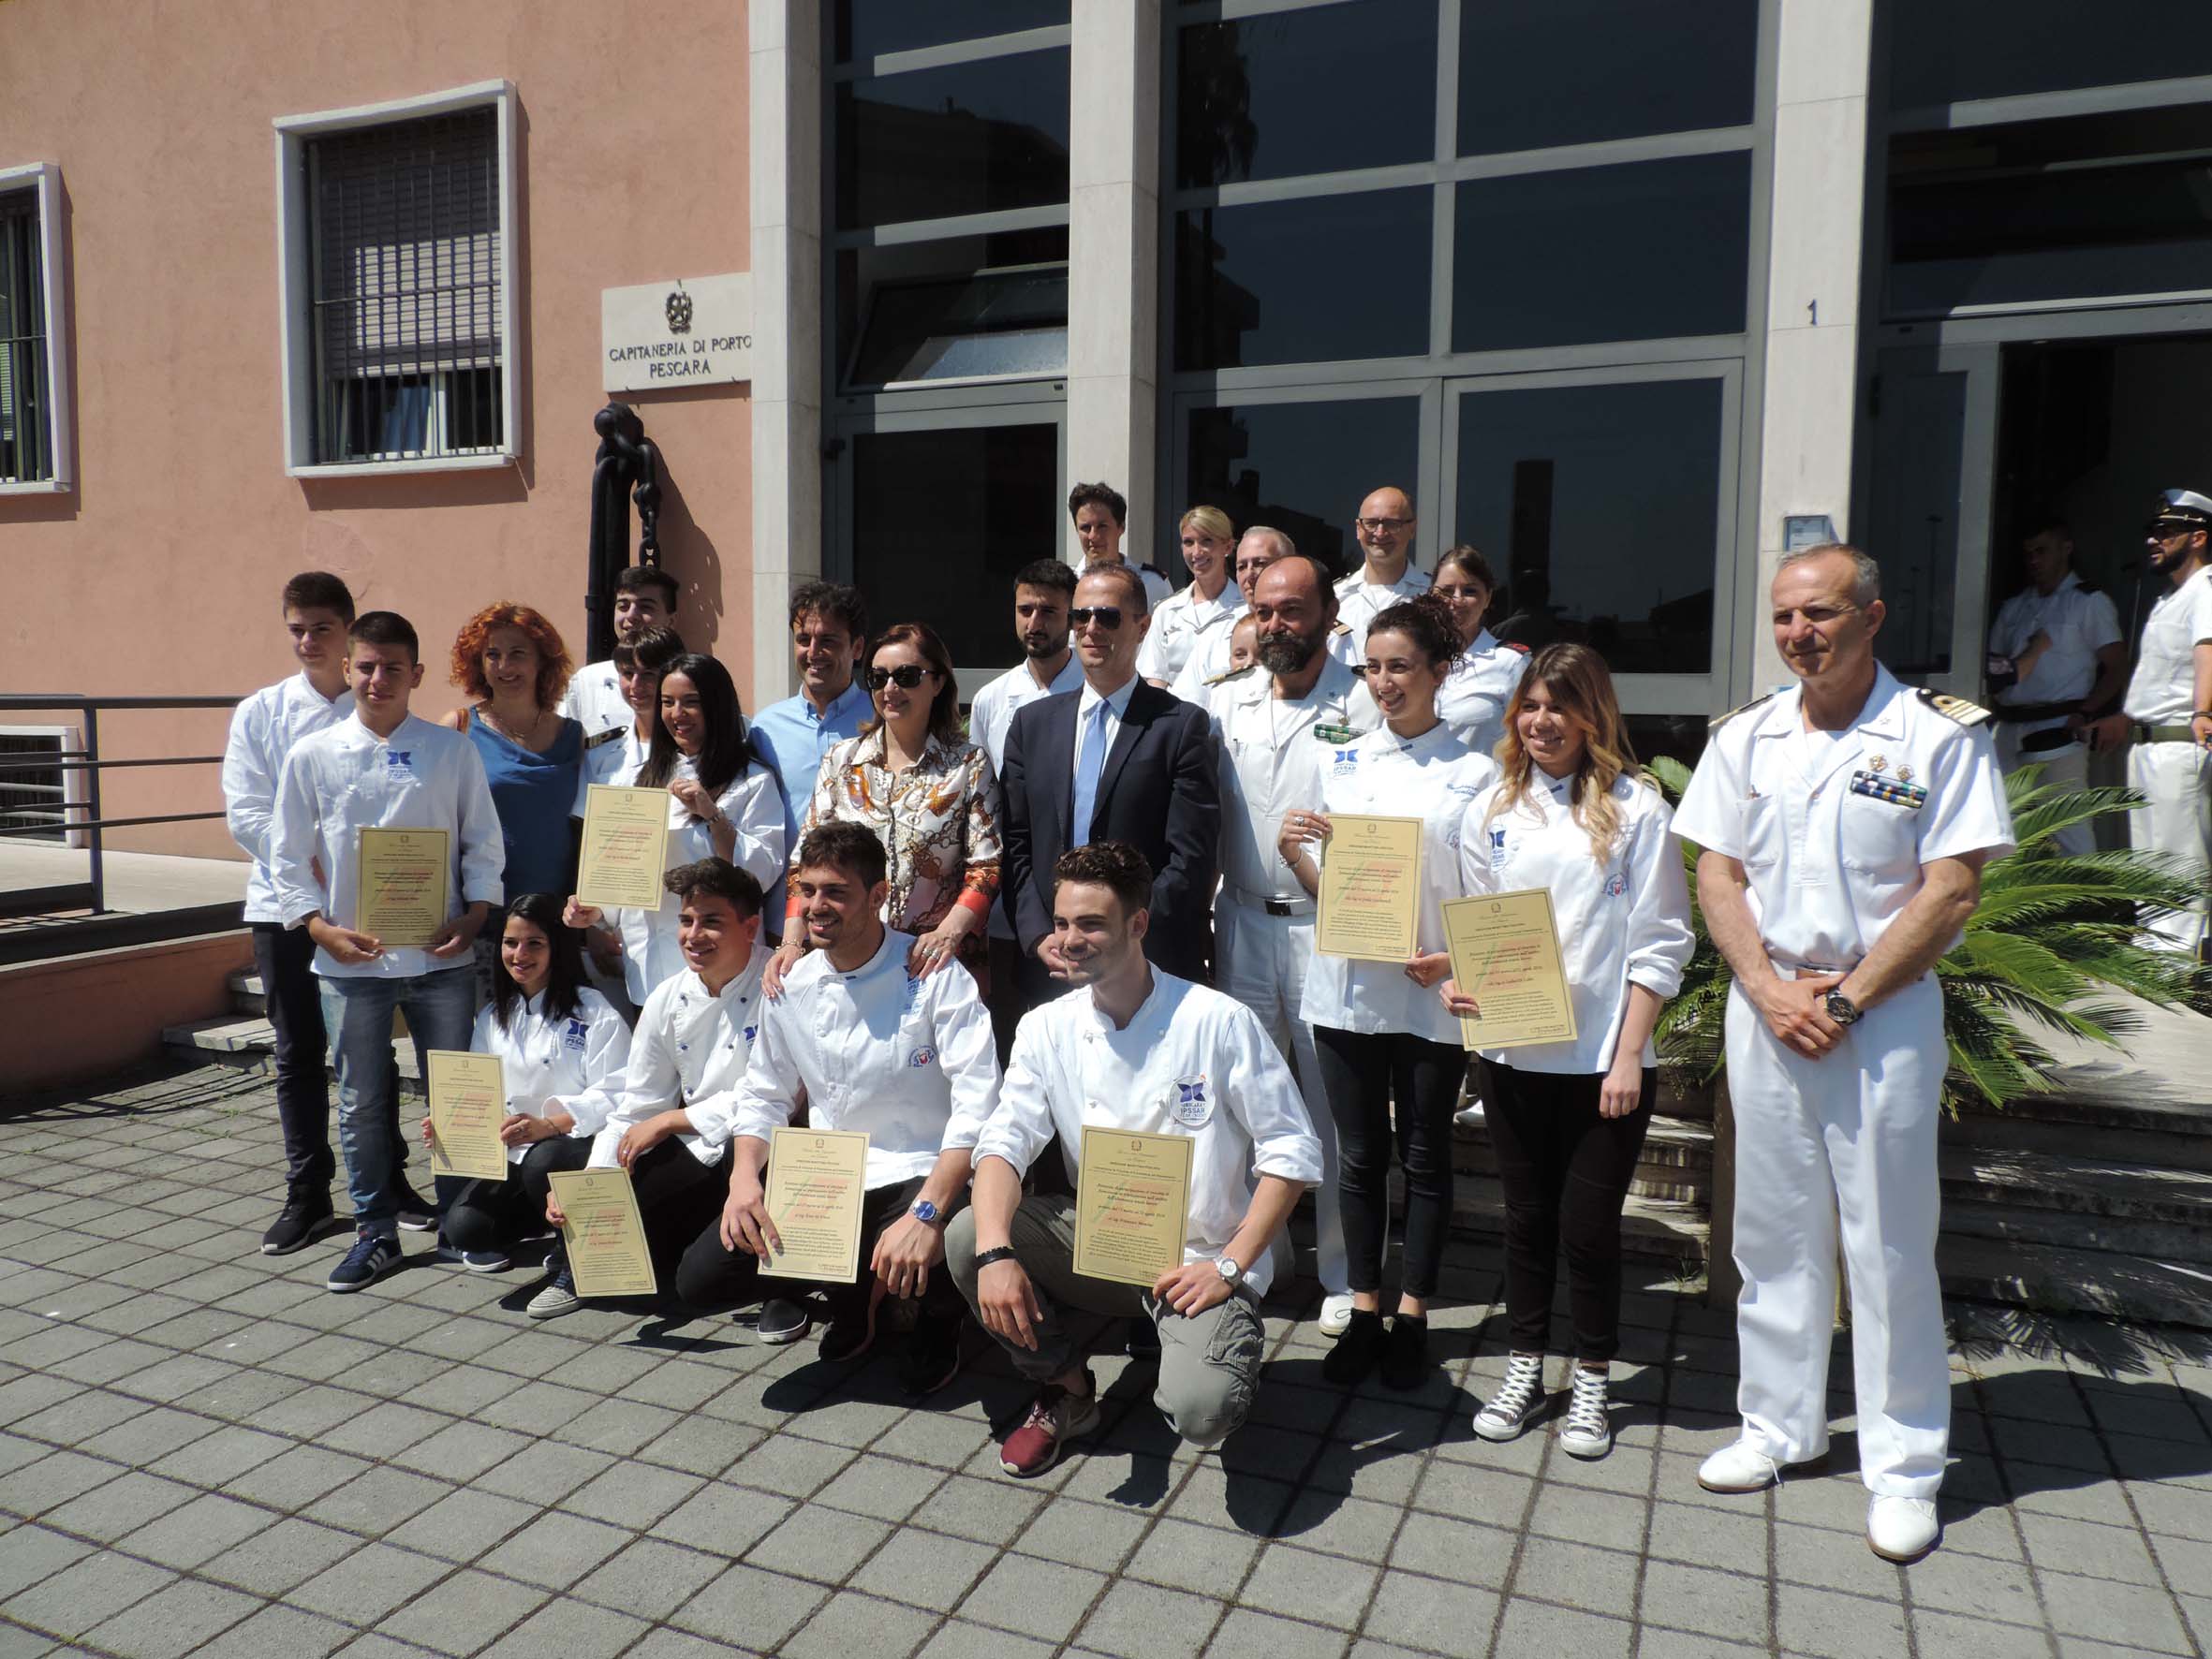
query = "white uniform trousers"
x=1852 y=1134
x=2175 y=818
x=1261 y=960
x=2065 y=769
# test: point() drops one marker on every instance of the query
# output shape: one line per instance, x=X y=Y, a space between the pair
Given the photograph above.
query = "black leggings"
x=1566 y=1171
x=491 y=1214
x=1362 y=1072
x=712 y=1276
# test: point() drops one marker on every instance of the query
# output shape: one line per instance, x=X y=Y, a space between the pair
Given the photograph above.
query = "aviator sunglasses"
x=906 y=676
x=1106 y=616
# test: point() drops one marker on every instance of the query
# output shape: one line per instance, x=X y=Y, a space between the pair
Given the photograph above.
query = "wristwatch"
x=1842 y=1009
x=924 y=1210
x=1228 y=1270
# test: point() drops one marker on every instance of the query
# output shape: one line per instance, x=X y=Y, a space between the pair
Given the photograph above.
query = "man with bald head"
x=1385 y=527
x=1274 y=724
x=1209 y=665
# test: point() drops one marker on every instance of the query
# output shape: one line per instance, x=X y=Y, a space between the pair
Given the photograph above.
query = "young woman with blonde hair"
x=1187 y=618
x=1571 y=813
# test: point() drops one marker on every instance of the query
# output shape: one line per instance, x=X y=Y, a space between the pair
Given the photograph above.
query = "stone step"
x=247 y=993
x=2057 y=1279
x=1652 y=1230
x=2142 y=1130
x=2157 y=1241
x=249 y=1044
x=2099 y=1186
x=1676 y=1164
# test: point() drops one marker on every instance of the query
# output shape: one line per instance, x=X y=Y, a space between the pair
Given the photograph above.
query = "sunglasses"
x=1106 y=616
x=906 y=676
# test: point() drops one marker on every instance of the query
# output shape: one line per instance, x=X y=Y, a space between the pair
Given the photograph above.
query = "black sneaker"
x=373 y=1255
x=412 y=1213
x=1357 y=1349
x=782 y=1321
x=932 y=1358
x=852 y=1329
x=1405 y=1355
x=305 y=1217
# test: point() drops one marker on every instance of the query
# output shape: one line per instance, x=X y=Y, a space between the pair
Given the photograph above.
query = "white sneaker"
x=1518 y=1399
x=1901 y=1528
x=1743 y=1468
x=1469 y=1117
x=1588 y=1430
x=1336 y=1313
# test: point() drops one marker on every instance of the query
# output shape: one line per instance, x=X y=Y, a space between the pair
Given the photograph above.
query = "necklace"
x=510 y=734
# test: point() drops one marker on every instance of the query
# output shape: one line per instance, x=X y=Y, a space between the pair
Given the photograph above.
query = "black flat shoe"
x=1405 y=1355
x=1357 y=1349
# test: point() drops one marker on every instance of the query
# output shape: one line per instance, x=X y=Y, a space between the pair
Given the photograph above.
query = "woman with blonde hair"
x=1186 y=619
x=1571 y=813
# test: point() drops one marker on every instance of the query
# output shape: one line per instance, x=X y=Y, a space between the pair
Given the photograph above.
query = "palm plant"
x=2054 y=936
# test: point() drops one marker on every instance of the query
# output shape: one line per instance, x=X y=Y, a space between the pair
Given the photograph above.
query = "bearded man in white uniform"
x=1844 y=824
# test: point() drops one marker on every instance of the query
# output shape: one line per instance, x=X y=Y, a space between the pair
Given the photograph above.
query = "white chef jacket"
x=992 y=714
x=1190 y=1062
x=689 y=1052
x=2079 y=622
x=1623 y=922
x=593 y=700
x=2164 y=690
x=1272 y=758
x=909 y=1062
x=345 y=778
x=574 y=1063
x=1830 y=856
x=1360 y=601
x=1433 y=778
x=1472 y=700
x=650 y=952
x=263 y=729
x=1179 y=622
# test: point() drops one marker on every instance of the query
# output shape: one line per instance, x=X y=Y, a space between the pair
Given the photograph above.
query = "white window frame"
x=44 y=178
x=296 y=329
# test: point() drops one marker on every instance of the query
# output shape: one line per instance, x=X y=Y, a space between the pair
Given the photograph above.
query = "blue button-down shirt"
x=793 y=737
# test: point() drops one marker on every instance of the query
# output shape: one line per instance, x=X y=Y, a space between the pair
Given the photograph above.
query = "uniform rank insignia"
x=1720 y=720
x=1953 y=708
x=605 y=737
x=1335 y=734
x=1897 y=791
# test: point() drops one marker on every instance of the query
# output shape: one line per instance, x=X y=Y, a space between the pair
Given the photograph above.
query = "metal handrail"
x=92 y=894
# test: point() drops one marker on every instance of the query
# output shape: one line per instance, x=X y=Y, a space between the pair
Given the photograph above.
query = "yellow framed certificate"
x=1370 y=891
x=467 y=1103
x=1505 y=954
x=625 y=834
x=604 y=1234
x=1132 y=1205
x=815 y=1180
x=400 y=899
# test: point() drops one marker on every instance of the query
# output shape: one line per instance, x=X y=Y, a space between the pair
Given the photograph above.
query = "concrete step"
x=2076 y=1185
x=2059 y=1279
x=1676 y=1164
x=2140 y=1129
x=1652 y=1230
x=249 y=1044
x=247 y=993
x=2157 y=1240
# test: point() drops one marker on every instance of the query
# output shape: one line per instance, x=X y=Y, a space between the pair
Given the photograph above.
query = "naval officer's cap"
x=2182 y=509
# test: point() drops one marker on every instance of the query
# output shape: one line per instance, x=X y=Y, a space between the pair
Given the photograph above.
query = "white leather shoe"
x=1336 y=1313
x=1743 y=1468
x=1901 y=1528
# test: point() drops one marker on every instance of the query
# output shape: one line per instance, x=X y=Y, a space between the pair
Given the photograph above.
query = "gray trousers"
x=1209 y=1363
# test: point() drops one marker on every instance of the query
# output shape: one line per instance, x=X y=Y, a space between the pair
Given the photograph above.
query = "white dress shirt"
x=689 y=1052
x=263 y=729
x=594 y=701
x=1623 y=922
x=2163 y=689
x=1360 y=601
x=1207 y=667
x=1117 y=709
x=2078 y=622
x=1274 y=754
x=612 y=757
x=909 y=1062
x=344 y=779
x=1190 y=1062
x=1832 y=834
x=1431 y=778
x=995 y=708
x=1179 y=622
x=571 y=1062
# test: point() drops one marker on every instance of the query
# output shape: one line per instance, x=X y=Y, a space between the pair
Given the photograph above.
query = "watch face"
x=926 y=1210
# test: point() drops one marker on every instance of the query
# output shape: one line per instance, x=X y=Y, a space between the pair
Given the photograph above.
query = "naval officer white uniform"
x=1844 y=823
x=2079 y=631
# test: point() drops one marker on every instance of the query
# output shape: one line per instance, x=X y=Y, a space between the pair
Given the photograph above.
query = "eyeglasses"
x=1382 y=526
x=906 y=676
x=1106 y=616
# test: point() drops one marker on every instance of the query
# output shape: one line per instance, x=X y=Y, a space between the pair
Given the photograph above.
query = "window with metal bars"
x=403 y=265
x=26 y=423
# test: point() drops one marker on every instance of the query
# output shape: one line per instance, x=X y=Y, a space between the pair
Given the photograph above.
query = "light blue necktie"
x=1089 y=762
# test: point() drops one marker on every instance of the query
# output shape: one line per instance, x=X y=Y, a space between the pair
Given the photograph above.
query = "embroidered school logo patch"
x=1191 y=1107
x=1616 y=885
x=749 y=1030
x=1497 y=847
x=399 y=761
x=573 y=1037
x=924 y=1055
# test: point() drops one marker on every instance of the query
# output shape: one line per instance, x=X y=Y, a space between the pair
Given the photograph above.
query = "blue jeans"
x=442 y=1014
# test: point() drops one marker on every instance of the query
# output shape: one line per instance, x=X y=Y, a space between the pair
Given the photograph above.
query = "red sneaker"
x=1056 y=1417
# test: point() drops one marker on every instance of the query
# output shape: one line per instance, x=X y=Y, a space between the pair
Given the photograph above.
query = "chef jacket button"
x=683 y=1047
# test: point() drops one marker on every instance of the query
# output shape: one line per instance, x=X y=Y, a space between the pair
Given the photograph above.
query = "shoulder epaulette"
x=605 y=737
x=1223 y=678
x=1953 y=708
x=1720 y=720
x=1516 y=646
x=1341 y=628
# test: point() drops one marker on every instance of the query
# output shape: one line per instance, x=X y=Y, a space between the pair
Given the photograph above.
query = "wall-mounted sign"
x=1807 y=530
x=693 y=331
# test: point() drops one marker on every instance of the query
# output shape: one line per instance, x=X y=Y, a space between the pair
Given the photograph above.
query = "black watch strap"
x=985 y=1257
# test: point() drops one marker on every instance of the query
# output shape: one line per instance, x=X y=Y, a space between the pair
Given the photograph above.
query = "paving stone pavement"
x=202 y=1451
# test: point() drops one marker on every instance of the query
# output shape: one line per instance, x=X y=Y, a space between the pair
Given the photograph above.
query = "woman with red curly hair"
x=512 y=661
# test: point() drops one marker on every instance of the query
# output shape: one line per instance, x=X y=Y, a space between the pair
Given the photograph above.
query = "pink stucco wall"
x=160 y=573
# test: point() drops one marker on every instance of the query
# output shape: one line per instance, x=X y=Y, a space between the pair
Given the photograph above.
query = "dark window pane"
x=1639 y=252
x=1941 y=52
x=1915 y=517
x=1599 y=507
x=1284 y=281
x=956 y=511
x=966 y=138
x=869 y=28
x=1575 y=71
x=947 y=310
x=865 y=274
x=1304 y=468
x=2088 y=208
x=1263 y=97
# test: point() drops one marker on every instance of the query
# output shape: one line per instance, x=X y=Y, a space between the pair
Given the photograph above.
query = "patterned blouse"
x=938 y=822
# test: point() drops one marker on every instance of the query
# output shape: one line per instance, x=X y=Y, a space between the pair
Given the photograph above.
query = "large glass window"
x=1599 y=506
x=978 y=136
x=869 y=28
x=1943 y=52
x=26 y=423
x=963 y=308
x=1302 y=467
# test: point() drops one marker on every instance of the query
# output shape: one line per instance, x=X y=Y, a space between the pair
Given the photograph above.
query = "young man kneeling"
x=1132 y=1049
